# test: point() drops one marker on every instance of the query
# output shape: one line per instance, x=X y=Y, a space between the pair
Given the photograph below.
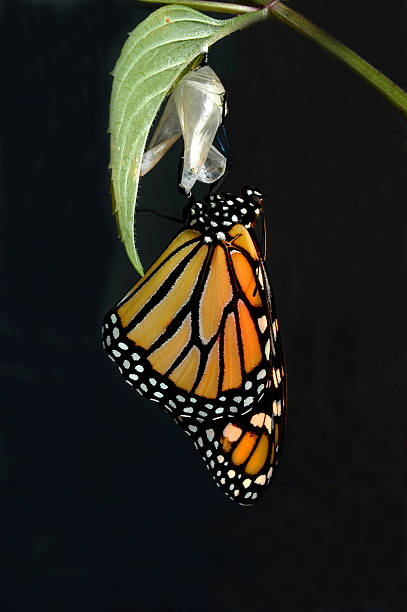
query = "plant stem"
x=389 y=89
x=394 y=94
x=211 y=7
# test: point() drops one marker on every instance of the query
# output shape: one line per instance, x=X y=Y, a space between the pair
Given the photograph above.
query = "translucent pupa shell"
x=195 y=110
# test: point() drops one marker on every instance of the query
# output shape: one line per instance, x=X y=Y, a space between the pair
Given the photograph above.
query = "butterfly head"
x=217 y=214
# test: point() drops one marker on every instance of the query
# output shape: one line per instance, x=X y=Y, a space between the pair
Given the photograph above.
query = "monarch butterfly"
x=198 y=334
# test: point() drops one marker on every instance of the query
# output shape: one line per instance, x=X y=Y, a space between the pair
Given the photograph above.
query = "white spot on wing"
x=267 y=349
x=261 y=480
x=232 y=432
x=257 y=420
x=262 y=321
x=260 y=277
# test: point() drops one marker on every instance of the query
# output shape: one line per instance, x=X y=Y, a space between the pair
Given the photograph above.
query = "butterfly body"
x=198 y=334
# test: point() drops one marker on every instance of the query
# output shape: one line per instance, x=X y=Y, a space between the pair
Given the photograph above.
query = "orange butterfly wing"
x=192 y=333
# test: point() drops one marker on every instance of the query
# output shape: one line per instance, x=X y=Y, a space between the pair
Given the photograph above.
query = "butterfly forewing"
x=193 y=334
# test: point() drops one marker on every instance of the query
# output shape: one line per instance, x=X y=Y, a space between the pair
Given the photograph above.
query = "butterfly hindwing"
x=242 y=454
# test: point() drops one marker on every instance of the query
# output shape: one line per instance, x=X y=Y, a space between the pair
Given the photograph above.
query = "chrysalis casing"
x=195 y=110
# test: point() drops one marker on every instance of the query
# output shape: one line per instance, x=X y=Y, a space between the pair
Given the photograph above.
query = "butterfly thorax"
x=217 y=214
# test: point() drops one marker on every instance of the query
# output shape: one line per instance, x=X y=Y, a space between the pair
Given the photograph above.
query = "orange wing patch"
x=232 y=377
x=216 y=295
x=241 y=238
x=259 y=456
x=245 y=276
x=251 y=346
x=163 y=357
x=244 y=448
x=184 y=375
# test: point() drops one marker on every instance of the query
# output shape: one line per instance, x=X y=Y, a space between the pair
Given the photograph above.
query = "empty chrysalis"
x=195 y=109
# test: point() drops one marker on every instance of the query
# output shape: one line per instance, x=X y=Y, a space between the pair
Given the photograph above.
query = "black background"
x=107 y=505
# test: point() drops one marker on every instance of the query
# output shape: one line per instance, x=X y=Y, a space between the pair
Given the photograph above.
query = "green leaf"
x=155 y=56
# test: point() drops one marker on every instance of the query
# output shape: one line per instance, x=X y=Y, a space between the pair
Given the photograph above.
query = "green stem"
x=389 y=89
x=394 y=94
x=211 y=7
